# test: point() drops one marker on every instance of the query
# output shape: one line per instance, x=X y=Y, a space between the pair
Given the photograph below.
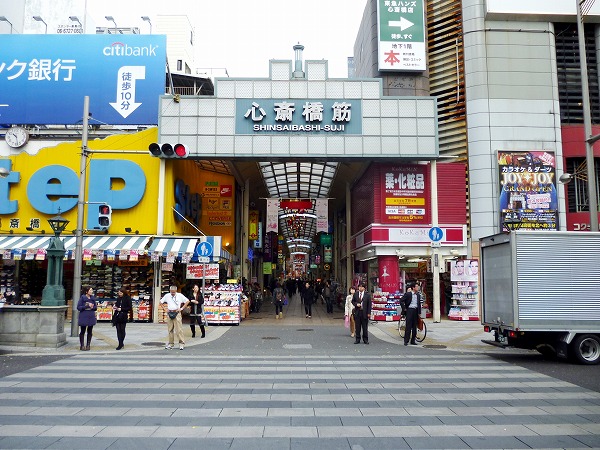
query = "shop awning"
x=97 y=242
x=107 y=242
x=11 y=242
x=178 y=245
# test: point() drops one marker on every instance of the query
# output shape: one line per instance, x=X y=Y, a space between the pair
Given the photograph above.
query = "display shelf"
x=384 y=306
x=222 y=304
x=465 y=295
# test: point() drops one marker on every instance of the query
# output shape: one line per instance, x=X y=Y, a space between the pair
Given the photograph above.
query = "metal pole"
x=435 y=259
x=80 y=211
x=587 y=123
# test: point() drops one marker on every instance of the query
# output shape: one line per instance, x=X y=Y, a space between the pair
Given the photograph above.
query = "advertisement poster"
x=405 y=194
x=464 y=270
x=195 y=271
x=528 y=190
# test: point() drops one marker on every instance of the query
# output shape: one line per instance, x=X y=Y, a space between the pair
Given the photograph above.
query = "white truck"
x=541 y=290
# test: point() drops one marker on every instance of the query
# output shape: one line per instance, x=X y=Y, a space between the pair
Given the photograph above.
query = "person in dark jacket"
x=308 y=297
x=362 y=311
x=196 y=305
x=411 y=302
x=87 y=307
x=121 y=310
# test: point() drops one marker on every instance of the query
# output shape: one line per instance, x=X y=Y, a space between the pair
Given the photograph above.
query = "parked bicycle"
x=421 y=333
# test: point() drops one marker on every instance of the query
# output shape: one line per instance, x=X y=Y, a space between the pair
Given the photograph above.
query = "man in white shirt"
x=172 y=304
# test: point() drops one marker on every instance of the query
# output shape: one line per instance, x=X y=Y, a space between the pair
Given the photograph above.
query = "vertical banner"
x=258 y=243
x=272 y=215
x=321 y=205
x=253 y=225
x=405 y=191
x=528 y=189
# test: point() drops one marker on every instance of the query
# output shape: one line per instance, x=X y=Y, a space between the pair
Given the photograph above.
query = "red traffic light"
x=180 y=151
x=104 y=209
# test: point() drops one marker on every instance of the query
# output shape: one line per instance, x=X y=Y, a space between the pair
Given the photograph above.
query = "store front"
x=143 y=233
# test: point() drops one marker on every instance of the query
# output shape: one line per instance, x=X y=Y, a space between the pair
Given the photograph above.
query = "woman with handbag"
x=87 y=306
x=349 y=311
x=121 y=310
x=197 y=311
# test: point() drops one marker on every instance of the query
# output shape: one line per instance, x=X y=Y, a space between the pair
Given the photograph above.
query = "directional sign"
x=44 y=78
x=436 y=234
x=401 y=28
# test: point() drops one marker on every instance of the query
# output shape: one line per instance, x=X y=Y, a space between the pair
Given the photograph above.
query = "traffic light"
x=168 y=150
x=104 y=216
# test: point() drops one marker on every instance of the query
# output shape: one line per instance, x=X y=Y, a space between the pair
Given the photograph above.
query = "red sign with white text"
x=405 y=194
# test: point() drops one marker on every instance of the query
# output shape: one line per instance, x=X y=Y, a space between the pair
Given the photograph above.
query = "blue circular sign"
x=436 y=234
x=204 y=249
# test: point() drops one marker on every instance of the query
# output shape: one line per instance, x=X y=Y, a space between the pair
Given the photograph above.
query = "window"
x=577 y=189
x=179 y=65
x=569 y=73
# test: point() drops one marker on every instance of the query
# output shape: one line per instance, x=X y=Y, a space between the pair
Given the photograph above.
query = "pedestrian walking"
x=349 y=311
x=172 y=303
x=278 y=297
x=197 y=311
x=327 y=296
x=309 y=297
x=87 y=306
x=121 y=310
x=362 y=310
x=411 y=301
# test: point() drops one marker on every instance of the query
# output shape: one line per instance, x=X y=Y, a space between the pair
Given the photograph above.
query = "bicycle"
x=402 y=329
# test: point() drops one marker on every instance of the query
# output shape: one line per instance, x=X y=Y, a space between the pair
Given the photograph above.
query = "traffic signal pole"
x=79 y=230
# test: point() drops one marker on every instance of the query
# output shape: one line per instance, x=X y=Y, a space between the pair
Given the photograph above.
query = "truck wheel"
x=585 y=349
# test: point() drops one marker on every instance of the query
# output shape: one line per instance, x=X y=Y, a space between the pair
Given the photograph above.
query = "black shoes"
x=357 y=342
x=119 y=347
x=406 y=343
x=413 y=343
x=367 y=342
x=203 y=336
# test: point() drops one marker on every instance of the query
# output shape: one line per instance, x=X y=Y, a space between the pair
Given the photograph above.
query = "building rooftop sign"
x=401 y=35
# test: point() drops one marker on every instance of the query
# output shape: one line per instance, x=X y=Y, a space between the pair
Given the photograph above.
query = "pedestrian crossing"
x=356 y=401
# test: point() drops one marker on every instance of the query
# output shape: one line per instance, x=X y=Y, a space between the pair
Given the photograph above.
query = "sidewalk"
x=452 y=335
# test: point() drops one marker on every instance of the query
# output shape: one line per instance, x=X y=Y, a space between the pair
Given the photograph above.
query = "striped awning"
x=97 y=242
x=107 y=242
x=12 y=242
x=179 y=245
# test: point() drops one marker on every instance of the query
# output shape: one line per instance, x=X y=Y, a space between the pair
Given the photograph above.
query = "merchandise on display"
x=222 y=304
x=385 y=306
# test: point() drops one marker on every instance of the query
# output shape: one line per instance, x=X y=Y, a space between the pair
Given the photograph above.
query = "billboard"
x=44 y=78
x=405 y=193
x=401 y=35
x=528 y=189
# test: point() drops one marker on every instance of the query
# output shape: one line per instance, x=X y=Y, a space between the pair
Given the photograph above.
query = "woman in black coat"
x=87 y=307
x=121 y=310
x=308 y=297
x=196 y=304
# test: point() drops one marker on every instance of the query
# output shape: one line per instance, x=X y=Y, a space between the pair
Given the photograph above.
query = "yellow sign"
x=405 y=201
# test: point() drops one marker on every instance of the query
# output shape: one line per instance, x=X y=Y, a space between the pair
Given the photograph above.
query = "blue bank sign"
x=44 y=78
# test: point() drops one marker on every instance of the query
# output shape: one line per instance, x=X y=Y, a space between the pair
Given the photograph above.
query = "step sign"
x=436 y=234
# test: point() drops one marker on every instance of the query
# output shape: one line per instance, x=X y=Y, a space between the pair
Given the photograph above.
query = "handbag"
x=172 y=314
x=186 y=311
x=347 y=321
x=420 y=323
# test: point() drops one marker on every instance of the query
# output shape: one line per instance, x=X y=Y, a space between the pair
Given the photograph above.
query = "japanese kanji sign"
x=405 y=194
x=269 y=116
x=44 y=78
x=401 y=29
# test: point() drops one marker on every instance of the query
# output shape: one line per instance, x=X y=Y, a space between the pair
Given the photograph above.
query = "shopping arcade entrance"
x=272 y=133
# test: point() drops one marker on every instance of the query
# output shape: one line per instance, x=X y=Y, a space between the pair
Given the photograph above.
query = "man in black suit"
x=362 y=311
x=411 y=302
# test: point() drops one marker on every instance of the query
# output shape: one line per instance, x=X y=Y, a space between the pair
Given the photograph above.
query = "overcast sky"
x=243 y=35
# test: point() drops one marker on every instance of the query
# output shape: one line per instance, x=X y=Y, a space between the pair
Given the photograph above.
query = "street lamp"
x=54 y=292
x=111 y=19
x=147 y=19
x=4 y=19
x=39 y=19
